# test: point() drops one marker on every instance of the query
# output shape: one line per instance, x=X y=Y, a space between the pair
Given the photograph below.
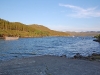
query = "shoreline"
x=49 y=65
x=92 y=57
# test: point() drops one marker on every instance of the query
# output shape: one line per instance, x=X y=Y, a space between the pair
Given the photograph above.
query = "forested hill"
x=22 y=30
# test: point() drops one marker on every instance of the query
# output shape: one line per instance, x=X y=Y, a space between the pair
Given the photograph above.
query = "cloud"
x=81 y=12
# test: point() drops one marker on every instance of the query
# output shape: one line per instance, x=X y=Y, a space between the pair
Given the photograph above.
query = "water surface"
x=28 y=47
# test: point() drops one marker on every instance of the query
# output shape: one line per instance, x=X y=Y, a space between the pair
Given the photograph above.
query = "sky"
x=60 y=15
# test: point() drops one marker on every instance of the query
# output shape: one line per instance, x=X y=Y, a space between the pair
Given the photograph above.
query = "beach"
x=49 y=65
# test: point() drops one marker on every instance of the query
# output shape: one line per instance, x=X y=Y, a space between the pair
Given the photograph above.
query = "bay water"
x=30 y=47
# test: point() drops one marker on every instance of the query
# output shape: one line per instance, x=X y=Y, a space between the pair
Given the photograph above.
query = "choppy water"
x=27 y=47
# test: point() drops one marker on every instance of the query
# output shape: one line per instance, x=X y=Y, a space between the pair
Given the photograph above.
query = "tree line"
x=22 y=30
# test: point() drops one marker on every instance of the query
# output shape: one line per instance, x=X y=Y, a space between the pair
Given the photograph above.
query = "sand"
x=49 y=65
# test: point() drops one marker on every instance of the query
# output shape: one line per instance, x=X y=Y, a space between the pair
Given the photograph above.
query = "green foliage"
x=97 y=36
x=18 y=29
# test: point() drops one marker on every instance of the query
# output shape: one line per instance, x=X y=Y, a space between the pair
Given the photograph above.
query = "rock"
x=96 y=40
x=63 y=56
x=90 y=58
x=95 y=54
x=93 y=57
x=78 y=56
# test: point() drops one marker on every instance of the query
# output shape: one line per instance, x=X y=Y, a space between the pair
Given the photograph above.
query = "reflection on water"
x=69 y=46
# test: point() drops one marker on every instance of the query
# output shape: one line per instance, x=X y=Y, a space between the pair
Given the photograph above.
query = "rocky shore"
x=49 y=65
x=93 y=57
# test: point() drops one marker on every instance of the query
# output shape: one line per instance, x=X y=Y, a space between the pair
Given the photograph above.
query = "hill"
x=87 y=33
x=22 y=30
x=49 y=31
